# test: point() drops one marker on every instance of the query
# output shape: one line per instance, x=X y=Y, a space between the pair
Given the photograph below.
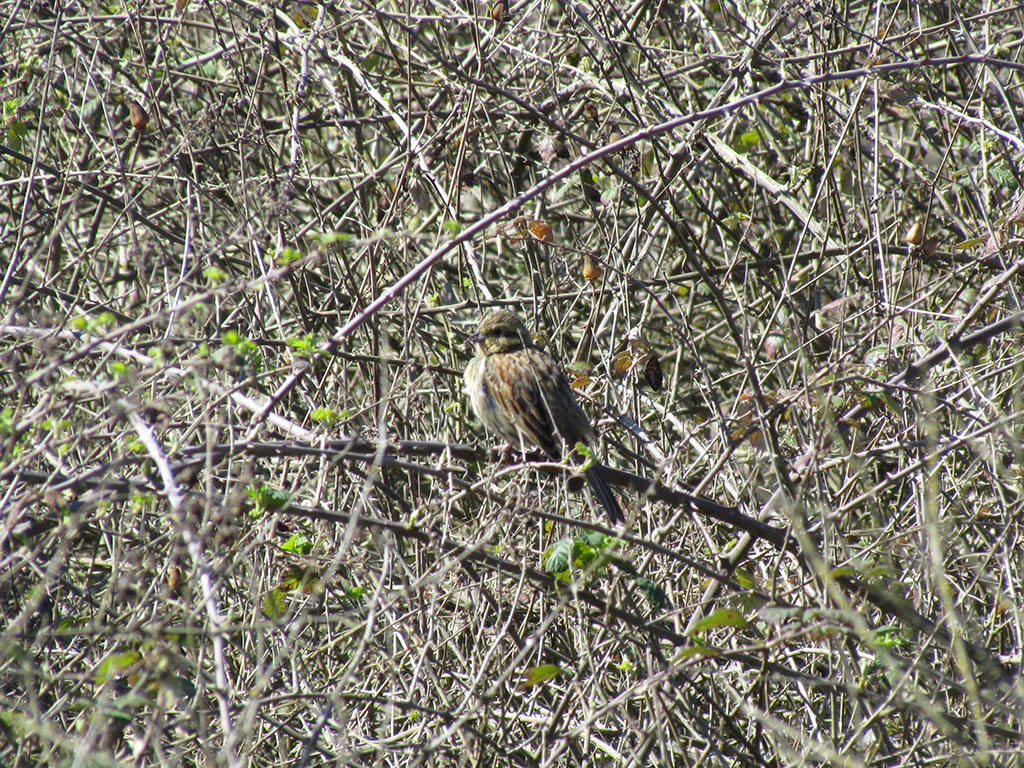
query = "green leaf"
x=16 y=131
x=744 y=578
x=723 y=617
x=287 y=256
x=655 y=595
x=579 y=368
x=328 y=417
x=306 y=579
x=973 y=242
x=557 y=558
x=267 y=497
x=889 y=636
x=352 y=594
x=6 y=421
x=584 y=450
x=275 y=604
x=305 y=342
x=583 y=554
x=842 y=571
x=326 y=238
x=540 y=674
x=299 y=544
x=215 y=275
x=749 y=139
x=116 y=665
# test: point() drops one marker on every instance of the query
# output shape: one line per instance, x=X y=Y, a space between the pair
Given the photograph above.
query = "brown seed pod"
x=653 y=373
x=138 y=115
x=499 y=12
x=915 y=235
x=541 y=231
x=173 y=576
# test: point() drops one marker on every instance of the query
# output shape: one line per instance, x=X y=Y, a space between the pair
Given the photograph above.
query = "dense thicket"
x=247 y=515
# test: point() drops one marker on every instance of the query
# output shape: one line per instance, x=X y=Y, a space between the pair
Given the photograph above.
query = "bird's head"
x=501 y=331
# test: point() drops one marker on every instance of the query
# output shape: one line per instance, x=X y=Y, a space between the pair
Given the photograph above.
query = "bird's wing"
x=516 y=384
x=562 y=412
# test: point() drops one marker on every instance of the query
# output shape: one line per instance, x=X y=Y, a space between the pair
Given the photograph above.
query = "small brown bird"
x=519 y=392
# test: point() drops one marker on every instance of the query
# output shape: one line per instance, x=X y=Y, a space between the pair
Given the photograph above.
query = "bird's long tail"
x=604 y=494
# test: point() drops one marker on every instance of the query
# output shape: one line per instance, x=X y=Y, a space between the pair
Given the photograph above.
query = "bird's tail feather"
x=604 y=494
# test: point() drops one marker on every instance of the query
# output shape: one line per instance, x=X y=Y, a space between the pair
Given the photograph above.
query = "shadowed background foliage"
x=248 y=518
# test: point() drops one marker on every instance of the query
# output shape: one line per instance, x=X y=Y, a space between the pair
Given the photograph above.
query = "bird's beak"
x=476 y=338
